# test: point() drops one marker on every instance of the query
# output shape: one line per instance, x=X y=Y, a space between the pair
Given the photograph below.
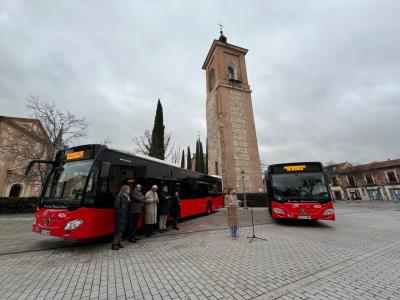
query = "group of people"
x=130 y=204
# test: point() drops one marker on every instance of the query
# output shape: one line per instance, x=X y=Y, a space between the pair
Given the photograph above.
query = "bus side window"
x=108 y=189
x=203 y=189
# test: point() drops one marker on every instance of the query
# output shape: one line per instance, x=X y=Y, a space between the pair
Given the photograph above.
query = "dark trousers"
x=175 y=222
x=117 y=238
x=133 y=225
x=149 y=228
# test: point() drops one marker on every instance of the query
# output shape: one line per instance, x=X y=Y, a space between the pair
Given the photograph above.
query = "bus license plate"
x=45 y=232
x=304 y=217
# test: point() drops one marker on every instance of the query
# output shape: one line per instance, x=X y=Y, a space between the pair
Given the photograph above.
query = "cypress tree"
x=157 y=136
x=189 y=160
x=201 y=158
x=183 y=159
x=197 y=162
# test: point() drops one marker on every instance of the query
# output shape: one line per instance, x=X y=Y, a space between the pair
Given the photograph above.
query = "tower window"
x=232 y=74
x=216 y=168
x=211 y=80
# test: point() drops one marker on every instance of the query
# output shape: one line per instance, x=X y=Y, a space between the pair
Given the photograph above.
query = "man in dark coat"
x=121 y=210
x=135 y=209
x=176 y=209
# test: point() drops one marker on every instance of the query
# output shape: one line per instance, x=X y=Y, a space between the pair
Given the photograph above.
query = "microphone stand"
x=252 y=237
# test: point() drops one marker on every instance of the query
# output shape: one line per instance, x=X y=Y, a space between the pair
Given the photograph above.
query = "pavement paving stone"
x=358 y=256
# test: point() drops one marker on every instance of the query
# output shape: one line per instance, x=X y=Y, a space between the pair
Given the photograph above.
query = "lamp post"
x=244 y=190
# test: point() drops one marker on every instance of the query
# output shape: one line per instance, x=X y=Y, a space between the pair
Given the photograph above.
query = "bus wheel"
x=209 y=208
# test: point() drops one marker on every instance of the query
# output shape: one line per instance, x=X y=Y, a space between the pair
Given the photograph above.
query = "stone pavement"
x=356 y=257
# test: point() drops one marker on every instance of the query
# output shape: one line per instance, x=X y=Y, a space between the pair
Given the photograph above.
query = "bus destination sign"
x=294 y=168
x=75 y=155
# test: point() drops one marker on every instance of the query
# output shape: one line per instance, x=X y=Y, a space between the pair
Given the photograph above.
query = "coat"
x=232 y=204
x=121 y=206
x=175 y=206
x=150 y=207
x=137 y=202
x=165 y=203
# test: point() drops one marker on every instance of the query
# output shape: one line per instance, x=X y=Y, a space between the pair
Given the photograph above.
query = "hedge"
x=254 y=199
x=17 y=205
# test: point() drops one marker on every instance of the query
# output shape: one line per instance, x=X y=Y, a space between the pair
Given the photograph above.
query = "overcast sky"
x=325 y=74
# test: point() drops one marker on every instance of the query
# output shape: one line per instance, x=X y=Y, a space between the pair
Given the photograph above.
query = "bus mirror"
x=105 y=169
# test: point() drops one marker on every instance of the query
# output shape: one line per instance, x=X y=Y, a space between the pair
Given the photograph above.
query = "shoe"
x=120 y=245
x=152 y=233
x=148 y=235
x=166 y=229
x=137 y=239
x=114 y=247
x=161 y=231
x=176 y=228
x=132 y=240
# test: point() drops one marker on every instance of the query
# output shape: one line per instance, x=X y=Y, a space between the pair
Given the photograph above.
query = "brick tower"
x=232 y=141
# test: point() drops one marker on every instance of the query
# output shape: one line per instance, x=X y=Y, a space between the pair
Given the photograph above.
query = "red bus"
x=77 y=201
x=299 y=191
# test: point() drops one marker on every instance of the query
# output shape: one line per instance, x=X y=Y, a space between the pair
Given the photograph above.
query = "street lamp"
x=244 y=190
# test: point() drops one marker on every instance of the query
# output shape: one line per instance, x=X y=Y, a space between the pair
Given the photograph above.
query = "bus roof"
x=145 y=157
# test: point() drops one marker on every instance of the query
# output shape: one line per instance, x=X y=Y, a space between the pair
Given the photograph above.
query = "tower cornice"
x=224 y=45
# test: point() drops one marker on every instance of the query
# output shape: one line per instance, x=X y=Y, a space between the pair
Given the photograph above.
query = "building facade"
x=369 y=182
x=232 y=141
x=21 y=140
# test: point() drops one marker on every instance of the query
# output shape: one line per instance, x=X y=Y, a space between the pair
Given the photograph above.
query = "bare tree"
x=143 y=144
x=175 y=155
x=107 y=141
x=27 y=144
x=57 y=123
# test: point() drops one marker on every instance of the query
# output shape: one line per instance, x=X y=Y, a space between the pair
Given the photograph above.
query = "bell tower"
x=232 y=141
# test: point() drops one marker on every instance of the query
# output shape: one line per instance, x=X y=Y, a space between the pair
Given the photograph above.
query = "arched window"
x=211 y=80
x=15 y=190
x=232 y=74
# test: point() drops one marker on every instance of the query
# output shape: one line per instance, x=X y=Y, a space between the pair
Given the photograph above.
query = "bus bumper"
x=303 y=211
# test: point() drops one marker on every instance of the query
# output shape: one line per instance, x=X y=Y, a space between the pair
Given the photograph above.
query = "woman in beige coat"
x=150 y=210
x=231 y=203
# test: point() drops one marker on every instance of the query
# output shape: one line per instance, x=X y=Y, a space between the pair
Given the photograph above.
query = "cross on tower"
x=220 y=27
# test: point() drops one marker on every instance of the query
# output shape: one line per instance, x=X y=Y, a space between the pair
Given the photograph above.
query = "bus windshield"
x=66 y=184
x=299 y=187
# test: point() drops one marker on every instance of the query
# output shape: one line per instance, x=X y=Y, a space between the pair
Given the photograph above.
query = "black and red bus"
x=77 y=201
x=299 y=191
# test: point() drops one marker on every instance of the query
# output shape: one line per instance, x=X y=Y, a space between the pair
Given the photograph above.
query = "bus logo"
x=294 y=168
x=302 y=211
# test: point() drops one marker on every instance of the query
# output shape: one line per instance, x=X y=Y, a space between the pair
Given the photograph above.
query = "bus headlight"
x=279 y=211
x=73 y=224
x=328 y=212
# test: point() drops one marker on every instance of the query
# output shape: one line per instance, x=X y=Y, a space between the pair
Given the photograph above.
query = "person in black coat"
x=121 y=211
x=135 y=209
x=175 y=209
x=164 y=206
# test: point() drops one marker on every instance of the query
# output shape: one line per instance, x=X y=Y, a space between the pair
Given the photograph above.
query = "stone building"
x=232 y=141
x=369 y=182
x=21 y=140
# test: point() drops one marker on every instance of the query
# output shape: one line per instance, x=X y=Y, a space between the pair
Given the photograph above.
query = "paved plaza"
x=356 y=257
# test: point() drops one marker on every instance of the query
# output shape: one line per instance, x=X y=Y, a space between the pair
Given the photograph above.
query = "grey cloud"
x=325 y=75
